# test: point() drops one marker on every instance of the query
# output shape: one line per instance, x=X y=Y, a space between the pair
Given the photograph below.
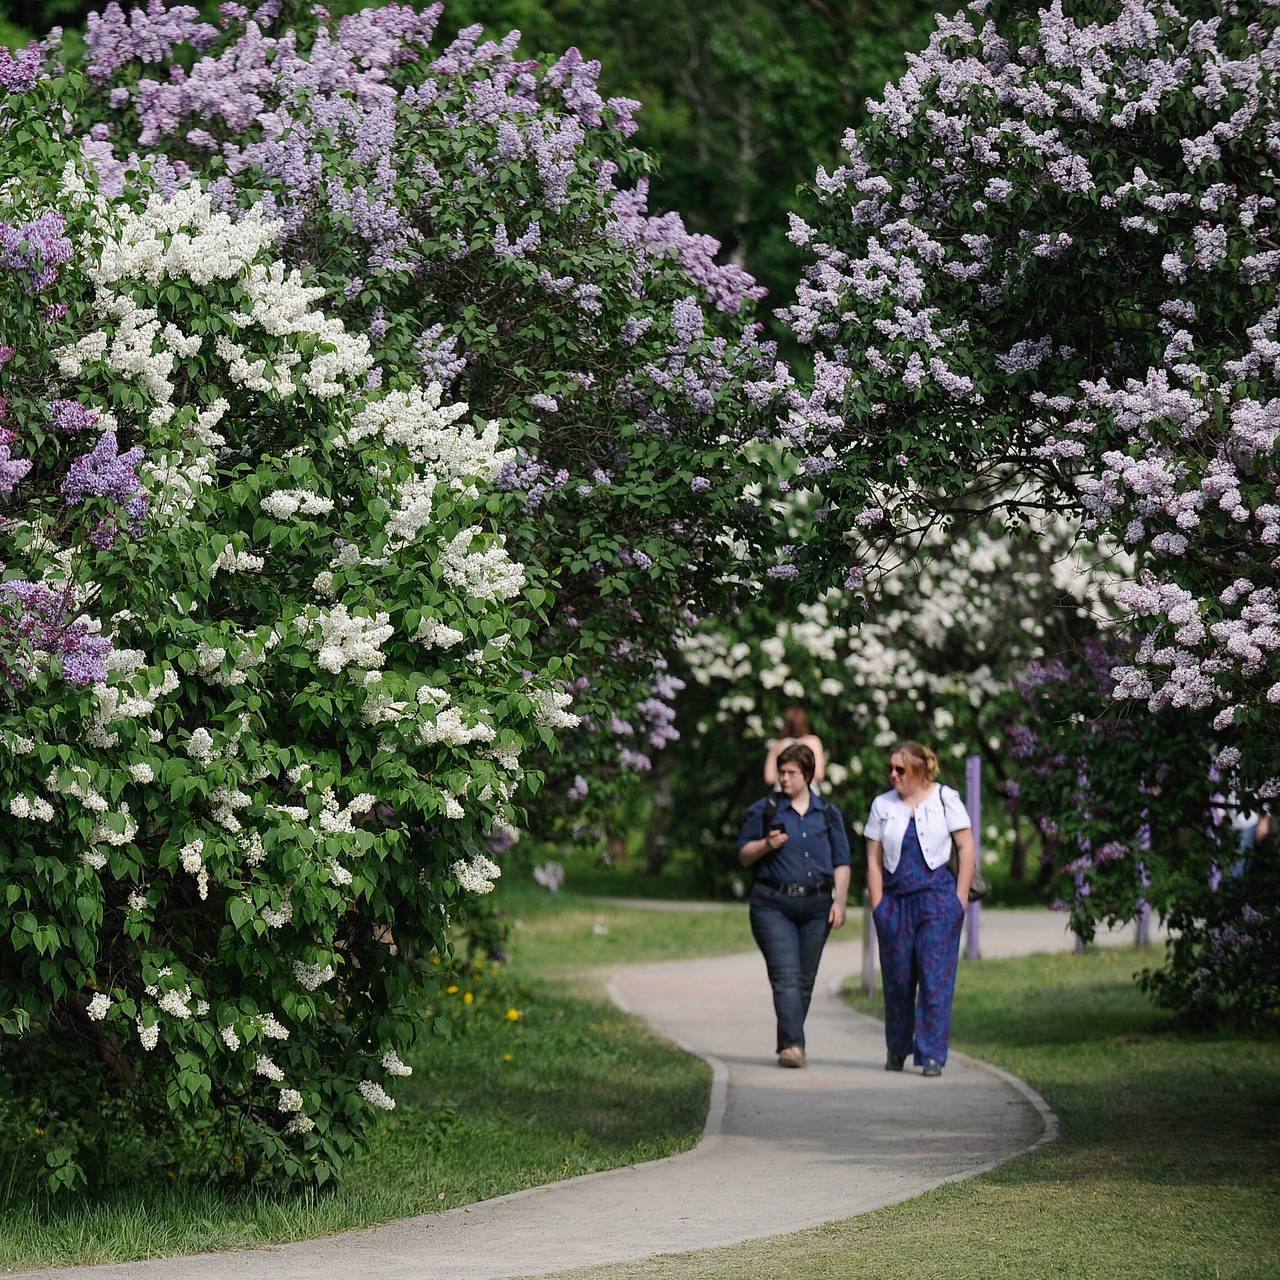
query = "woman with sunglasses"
x=917 y=904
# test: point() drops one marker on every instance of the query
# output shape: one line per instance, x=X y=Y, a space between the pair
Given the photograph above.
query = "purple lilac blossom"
x=70 y=415
x=35 y=250
x=35 y=619
x=104 y=472
x=19 y=75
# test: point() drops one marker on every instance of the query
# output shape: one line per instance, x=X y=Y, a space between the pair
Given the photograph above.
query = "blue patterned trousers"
x=919 y=952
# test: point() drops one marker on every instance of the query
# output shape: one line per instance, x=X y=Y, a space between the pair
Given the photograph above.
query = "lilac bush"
x=484 y=220
x=1045 y=276
x=1114 y=799
x=266 y=676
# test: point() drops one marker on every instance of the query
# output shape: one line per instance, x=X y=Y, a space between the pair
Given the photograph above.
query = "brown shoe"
x=792 y=1056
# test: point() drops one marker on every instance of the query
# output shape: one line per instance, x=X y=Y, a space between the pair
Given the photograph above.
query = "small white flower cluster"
x=173 y=481
x=191 y=857
x=346 y=640
x=149 y=1036
x=416 y=422
x=335 y=821
x=277 y=918
x=476 y=876
x=176 y=1003
x=271 y=1027
x=436 y=634
x=230 y=560
x=312 y=976
x=76 y=783
x=122 y=700
x=376 y=1095
x=290 y=1101
x=263 y=1066
x=98 y=1007
x=489 y=574
x=283 y=504
x=393 y=1066
x=36 y=808
x=449 y=727
x=551 y=712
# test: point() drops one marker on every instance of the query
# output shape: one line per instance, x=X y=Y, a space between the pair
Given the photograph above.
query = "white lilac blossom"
x=476 y=876
x=98 y=1007
x=393 y=1066
x=376 y=1096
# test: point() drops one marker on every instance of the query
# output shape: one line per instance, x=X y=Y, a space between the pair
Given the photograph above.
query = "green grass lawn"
x=1166 y=1165
x=570 y=1087
x=555 y=932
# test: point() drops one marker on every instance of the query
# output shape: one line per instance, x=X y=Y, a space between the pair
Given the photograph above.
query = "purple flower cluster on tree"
x=1046 y=276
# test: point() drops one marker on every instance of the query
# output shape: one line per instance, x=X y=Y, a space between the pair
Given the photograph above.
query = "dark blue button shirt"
x=808 y=857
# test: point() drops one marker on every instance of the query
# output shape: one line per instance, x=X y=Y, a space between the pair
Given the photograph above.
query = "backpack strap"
x=766 y=814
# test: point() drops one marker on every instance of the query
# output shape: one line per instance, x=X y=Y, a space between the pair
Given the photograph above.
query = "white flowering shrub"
x=265 y=673
x=935 y=657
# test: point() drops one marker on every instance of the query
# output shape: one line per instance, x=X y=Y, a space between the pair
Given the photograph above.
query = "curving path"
x=853 y=1136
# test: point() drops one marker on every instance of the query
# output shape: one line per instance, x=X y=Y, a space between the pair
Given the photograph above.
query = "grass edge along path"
x=1164 y=1164
x=539 y=1087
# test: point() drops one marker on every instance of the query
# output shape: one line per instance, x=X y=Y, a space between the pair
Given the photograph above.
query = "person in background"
x=917 y=904
x=795 y=728
x=799 y=848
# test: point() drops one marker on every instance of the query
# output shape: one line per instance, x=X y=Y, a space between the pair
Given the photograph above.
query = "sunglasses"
x=897 y=770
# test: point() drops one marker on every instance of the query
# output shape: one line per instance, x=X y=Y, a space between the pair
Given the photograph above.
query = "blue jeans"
x=791 y=932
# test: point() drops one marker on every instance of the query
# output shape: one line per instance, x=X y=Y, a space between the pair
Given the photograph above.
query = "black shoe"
x=893 y=1062
x=932 y=1067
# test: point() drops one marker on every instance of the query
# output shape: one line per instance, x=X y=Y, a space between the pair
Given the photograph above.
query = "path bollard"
x=1144 y=910
x=1079 y=936
x=868 y=946
x=973 y=802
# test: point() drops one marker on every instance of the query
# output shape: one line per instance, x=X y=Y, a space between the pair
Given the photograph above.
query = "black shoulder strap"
x=766 y=814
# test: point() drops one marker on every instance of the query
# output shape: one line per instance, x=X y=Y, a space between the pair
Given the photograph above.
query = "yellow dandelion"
x=508 y=1057
x=468 y=998
x=513 y=1015
x=452 y=989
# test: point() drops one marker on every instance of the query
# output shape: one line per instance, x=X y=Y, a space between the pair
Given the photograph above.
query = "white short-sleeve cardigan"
x=939 y=814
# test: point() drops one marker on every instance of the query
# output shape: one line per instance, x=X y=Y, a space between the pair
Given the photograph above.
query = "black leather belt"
x=798 y=890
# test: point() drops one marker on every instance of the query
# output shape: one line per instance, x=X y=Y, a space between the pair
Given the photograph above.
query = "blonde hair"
x=920 y=760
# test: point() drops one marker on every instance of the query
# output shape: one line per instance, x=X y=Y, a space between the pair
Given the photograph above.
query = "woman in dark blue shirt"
x=800 y=850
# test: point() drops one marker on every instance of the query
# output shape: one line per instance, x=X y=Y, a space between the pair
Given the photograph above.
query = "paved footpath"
x=853 y=1136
